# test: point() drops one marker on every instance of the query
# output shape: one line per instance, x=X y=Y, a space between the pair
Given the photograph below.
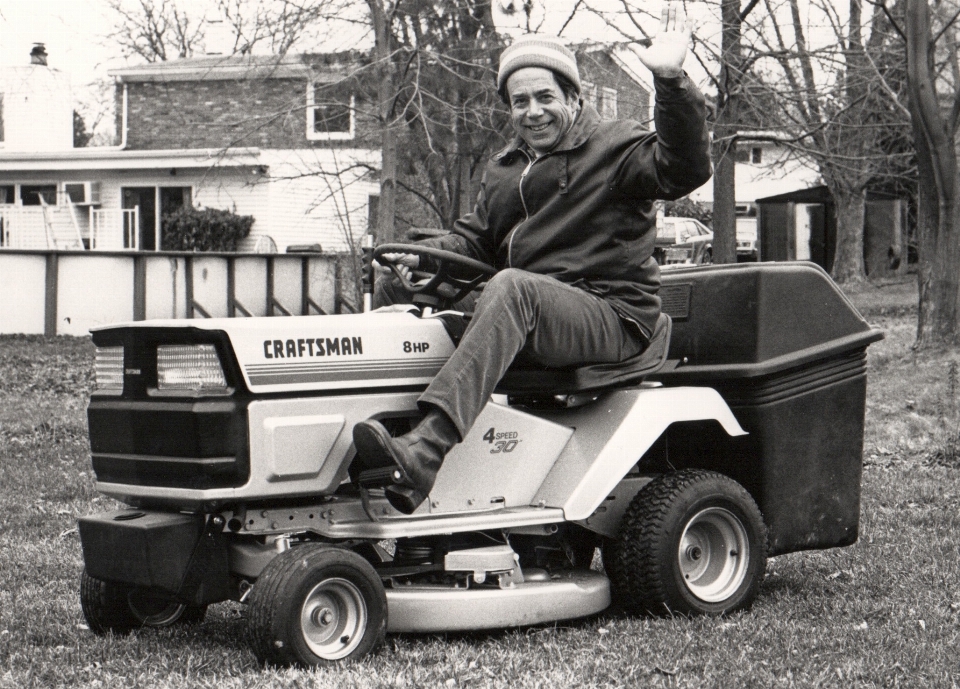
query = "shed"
x=798 y=226
x=802 y=226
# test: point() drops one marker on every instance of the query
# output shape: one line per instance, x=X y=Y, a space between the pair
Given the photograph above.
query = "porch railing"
x=69 y=227
x=115 y=229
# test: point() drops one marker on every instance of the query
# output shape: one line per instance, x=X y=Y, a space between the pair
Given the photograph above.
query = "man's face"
x=540 y=113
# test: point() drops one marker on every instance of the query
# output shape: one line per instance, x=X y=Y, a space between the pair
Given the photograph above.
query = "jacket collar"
x=582 y=129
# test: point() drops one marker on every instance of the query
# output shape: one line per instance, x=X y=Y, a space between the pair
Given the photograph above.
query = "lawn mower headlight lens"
x=190 y=367
x=109 y=370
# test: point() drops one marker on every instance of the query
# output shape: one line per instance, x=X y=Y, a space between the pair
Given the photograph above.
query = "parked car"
x=747 y=246
x=683 y=242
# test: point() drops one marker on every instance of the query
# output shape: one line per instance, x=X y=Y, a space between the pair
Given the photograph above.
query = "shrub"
x=688 y=208
x=204 y=229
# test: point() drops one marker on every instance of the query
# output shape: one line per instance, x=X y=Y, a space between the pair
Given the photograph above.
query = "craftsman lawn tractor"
x=735 y=436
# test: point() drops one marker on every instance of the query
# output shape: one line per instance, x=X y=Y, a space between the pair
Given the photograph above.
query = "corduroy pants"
x=520 y=314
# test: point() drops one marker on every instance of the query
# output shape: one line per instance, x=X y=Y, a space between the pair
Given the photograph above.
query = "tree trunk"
x=938 y=318
x=725 y=131
x=944 y=293
x=724 y=203
x=386 y=92
x=848 y=259
x=926 y=233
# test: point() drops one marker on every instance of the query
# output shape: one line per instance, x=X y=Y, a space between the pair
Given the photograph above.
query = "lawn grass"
x=884 y=612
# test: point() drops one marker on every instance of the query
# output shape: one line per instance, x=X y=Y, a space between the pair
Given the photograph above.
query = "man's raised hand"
x=668 y=48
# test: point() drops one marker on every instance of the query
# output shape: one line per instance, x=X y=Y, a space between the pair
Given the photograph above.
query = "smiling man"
x=566 y=213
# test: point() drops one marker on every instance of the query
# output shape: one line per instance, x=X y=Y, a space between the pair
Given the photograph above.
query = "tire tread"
x=642 y=555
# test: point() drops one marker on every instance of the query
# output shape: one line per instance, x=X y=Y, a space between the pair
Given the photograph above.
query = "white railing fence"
x=68 y=227
x=22 y=227
x=115 y=229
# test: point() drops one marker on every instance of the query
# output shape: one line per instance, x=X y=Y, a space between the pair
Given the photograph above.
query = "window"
x=608 y=104
x=588 y=93
x=756 y=155
x=7 y=193
x=30 y=194
x=330 y=114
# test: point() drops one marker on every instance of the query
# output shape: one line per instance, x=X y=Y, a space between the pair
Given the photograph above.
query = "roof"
x=755 y=182
x=224 y=67
x=819 y=194
x=104 y=158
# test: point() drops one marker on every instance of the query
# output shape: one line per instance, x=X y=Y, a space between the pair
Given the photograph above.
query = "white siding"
x=233 y=189
x=37 y=109
x=310 y=202
x=296 y=197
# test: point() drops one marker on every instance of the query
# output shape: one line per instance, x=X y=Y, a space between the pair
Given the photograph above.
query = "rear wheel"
x=316 y=605
x=111 y=607
x=691 y=542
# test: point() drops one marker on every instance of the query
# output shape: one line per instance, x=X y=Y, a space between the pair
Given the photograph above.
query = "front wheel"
x=691 y=542
x=111 y=607
x=316 y=605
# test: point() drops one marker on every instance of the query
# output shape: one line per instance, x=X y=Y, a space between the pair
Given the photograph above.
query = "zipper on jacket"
x=523 y=202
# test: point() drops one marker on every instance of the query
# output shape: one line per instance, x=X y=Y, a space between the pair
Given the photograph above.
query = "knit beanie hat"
x=534 y=50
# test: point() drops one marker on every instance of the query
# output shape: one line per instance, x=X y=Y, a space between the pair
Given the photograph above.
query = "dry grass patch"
x=882 y=613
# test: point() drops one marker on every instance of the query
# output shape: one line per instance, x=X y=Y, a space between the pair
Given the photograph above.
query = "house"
x=763 y=168
x=279 y=138
x=613 y=85
x=289 y=140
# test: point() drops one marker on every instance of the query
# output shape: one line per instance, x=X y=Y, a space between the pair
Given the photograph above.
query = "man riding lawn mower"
x=566 y=215
x=345 y=476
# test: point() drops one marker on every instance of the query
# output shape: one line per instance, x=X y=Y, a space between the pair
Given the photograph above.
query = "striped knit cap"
x=534 y=50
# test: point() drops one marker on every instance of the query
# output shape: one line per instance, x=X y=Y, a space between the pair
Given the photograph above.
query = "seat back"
x=540 y=380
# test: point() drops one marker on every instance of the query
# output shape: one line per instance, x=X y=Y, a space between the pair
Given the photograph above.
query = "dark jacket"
x=583 y=213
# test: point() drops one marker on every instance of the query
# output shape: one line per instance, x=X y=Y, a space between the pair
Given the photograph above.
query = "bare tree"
x=836 y=110
x=277 y=25
x=160 y=30
x=453 y=114
x=155 y=30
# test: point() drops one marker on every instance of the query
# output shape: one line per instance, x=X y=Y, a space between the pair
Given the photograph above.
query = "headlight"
x=109 y=370
x=190 y=367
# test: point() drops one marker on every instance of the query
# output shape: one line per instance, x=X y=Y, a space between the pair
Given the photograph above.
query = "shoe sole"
x=373 y=449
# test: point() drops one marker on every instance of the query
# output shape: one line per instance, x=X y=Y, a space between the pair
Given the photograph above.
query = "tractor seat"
x=524 y=379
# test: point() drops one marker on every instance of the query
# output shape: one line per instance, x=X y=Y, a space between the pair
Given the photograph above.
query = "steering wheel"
x=446 y=283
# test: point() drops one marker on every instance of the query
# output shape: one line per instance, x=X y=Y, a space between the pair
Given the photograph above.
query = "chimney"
x=38 y=56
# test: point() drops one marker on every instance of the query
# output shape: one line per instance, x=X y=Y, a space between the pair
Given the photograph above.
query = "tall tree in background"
x=382 y=14
x=453 y=114
x=276 y=25
x=837 y=111
x=730 y=85
x=933 y=78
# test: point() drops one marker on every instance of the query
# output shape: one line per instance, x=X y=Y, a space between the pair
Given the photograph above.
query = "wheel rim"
x=152 y=611
x=333 y=618
x=713 y=556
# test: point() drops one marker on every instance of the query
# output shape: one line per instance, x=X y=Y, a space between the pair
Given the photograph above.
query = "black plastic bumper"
x=181 y=555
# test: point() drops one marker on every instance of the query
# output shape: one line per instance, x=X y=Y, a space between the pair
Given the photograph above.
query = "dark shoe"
x=418 y=455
